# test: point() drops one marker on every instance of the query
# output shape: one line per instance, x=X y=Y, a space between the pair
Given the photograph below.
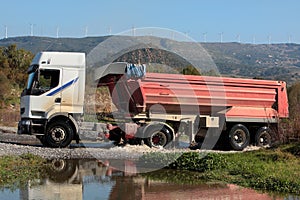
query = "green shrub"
x=275 y=170
x=199 y=162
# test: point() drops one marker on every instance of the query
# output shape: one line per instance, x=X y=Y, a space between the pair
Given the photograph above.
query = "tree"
x=211 y=73
x=190 y=70
x=5 y=88
x=14 y=63
x=294 y=99
x=294 y=109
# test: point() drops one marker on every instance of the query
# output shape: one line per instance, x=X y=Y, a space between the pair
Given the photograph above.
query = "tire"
x=60 y=171
x=239 y=137
x=43 y=140
x=157 y=136
x=59 y=134
x=263 y=137
x=198 y=138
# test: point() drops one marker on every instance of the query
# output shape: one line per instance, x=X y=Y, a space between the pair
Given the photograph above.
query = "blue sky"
x=259 y=21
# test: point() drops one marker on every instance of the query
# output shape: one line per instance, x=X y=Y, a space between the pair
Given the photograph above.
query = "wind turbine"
x=290 y=39
x=57 y=31
x=31 y=29
x=86 y=31
x=221 y=37
x=133 y=31
x=238 y=37
x=109 y=30
x=204 y=36
x=6 y=32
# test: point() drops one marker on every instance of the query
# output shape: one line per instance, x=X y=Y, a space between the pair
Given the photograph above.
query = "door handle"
x=57 y=100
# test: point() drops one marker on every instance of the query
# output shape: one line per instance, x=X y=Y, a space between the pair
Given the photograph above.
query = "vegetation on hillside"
x=275 y=61
x=264 y=61
x=157 y=56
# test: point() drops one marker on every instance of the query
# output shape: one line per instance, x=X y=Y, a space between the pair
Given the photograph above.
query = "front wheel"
x=43 y=140
x=59 y=134
x=158 y=137
x=239 y=137
x=60 y=170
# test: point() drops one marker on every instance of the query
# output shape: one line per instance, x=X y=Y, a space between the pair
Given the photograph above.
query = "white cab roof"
x=66 y=59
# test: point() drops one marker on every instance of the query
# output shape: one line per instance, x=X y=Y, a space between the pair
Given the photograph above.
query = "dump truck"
x=155 y=108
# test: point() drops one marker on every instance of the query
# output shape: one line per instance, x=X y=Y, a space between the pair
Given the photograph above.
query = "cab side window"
x=47 y=80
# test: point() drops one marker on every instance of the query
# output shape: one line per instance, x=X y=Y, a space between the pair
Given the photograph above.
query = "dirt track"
x=14 y=144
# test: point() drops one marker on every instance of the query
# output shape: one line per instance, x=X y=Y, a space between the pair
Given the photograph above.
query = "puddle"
x=116 y=179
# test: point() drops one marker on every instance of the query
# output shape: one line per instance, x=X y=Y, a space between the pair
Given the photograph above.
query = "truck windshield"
x=32 y=71
x=30 y=80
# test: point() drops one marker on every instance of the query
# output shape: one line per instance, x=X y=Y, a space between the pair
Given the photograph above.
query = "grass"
x=15 y=171
x=273 y=170
x=265 y=170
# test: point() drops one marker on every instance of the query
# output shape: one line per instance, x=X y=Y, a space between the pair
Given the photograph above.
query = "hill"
x=275 y=61
x=36 y=44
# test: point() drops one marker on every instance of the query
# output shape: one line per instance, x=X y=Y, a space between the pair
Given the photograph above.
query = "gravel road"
x=14 y=144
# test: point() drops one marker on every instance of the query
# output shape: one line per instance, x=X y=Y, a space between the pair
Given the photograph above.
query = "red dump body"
x=236 y=98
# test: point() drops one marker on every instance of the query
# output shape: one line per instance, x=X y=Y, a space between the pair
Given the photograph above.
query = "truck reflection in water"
x=91 y=179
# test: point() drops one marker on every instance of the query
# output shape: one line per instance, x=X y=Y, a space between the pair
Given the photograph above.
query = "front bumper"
x=29 y=126
x=25 y=127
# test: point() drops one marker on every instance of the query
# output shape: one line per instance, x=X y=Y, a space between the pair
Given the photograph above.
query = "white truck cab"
x=53 y=97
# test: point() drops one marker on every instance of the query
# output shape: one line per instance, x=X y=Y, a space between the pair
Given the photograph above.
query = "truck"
x=151 y=108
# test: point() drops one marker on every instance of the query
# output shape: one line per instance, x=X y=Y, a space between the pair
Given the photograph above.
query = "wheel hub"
x=239 y=137
x=58 y=165
x=158 y=139
x=261 y=140
x=155 y=139
x=58 y=134
x=236 y=138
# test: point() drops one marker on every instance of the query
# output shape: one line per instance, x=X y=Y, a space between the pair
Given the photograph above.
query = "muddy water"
x=92 y=179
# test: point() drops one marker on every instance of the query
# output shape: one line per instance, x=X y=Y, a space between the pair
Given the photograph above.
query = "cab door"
x=46 y=93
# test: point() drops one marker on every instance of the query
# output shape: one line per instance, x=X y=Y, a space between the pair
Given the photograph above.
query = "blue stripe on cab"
x=63 y=87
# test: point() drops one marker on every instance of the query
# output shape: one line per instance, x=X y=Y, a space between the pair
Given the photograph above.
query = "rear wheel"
x=158 y=136
x=263 y=137
x=59 y=134
x=239 y=137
